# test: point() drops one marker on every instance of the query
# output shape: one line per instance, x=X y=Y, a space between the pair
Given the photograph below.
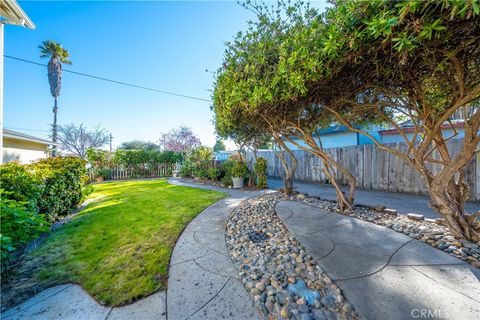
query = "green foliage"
x=98 y=158
x=239 y=170
x=19 y=225
x=200 y=173
x=260 y=169
x=33 y=193
x=21 y=184
x=139 y=145
x=219 y=146
x=213 y=173
x=227 y=181
x=52 y=186
x=186 y=171
x=64 y=180
x=103 y=173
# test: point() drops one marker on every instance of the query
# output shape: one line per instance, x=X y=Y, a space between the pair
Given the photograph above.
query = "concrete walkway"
x=403 y=202
x=385 y=274
x=71 y=302
x=202 y=284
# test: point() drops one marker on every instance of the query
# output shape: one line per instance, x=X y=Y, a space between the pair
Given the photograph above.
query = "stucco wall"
x=23 y=151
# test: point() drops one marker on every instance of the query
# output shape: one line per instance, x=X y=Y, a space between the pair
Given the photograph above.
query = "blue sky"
x=163 y=45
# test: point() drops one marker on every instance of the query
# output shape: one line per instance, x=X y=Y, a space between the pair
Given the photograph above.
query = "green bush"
x=239 y=169
x=226 y=181
x=19 y=224
x=64 y=181
x=186 y=171
x=103 y=173
x=200 y=173
x=213 y=173
x=260 y=169
x=21 y=184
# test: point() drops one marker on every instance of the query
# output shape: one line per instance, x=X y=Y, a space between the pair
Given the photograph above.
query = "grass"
x=118 y=248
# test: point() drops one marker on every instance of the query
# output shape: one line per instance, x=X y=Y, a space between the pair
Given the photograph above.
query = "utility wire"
x=113 y=81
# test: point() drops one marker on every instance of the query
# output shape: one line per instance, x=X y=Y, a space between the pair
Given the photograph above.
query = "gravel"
x=285 y=281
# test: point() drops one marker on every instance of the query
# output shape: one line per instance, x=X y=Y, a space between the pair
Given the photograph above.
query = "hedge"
x=32 y=194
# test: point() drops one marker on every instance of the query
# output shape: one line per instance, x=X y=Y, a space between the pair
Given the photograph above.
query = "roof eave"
x=16 y=15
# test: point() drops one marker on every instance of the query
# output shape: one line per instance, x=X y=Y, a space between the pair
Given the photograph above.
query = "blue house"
x=340 y=136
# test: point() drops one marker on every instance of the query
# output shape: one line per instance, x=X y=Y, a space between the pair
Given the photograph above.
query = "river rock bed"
x=284 y=281
x=428 y=231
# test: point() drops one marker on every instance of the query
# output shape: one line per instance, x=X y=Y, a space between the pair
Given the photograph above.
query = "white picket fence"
x=119 y=173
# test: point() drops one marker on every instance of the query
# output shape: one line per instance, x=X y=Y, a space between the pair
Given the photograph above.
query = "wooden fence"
x=119 y=173
x=373 y=168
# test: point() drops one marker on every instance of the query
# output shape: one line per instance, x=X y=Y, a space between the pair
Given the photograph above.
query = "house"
x=224 y=155
x=10 y=13
x=455 y=129
x=22 y=147
x=339 y=136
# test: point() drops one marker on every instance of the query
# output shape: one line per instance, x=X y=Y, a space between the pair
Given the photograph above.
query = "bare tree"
x=78 y=139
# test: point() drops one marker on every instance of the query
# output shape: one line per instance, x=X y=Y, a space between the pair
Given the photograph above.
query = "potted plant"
x=101 y=174
x=238 y=174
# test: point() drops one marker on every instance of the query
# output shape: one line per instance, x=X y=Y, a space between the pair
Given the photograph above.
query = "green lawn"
x=118 y=248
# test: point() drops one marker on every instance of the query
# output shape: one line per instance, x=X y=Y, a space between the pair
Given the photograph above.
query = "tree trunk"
x=288 y=184
x=54 y=128
x=289 y=167
x=448 y=200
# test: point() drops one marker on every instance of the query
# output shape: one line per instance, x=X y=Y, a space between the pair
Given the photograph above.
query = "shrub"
x=19 y=224
x=186 y=170
x=260 y=169
x=200 y=173
x=239 y=169
x=213 y=173
x=21 y=184
x=103 y=173
x=64 y=180
x=227 y=181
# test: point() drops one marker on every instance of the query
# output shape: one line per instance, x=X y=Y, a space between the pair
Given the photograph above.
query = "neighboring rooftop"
x=25 y=137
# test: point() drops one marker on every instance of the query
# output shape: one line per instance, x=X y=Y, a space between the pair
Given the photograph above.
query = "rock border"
x=284 y=280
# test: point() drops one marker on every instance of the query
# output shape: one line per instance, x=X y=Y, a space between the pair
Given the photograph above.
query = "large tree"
x=77 y=139
x=373 y=61
x=415 y=61
x=257 y=82
x=181 y=139
x=58 y=56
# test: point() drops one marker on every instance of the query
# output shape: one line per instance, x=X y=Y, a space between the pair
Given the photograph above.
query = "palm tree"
x=58 y=56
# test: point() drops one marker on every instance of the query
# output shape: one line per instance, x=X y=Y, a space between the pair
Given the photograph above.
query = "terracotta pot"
x=99 y=178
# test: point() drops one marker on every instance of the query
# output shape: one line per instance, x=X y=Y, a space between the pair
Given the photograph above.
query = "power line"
x=111 y=80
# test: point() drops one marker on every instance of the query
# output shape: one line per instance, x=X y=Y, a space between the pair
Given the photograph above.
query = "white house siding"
x=23 y=151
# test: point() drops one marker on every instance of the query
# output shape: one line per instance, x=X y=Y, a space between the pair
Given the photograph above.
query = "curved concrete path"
x=71 y=302
x=385 y=274
x=402 y=202
x=202 y=284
